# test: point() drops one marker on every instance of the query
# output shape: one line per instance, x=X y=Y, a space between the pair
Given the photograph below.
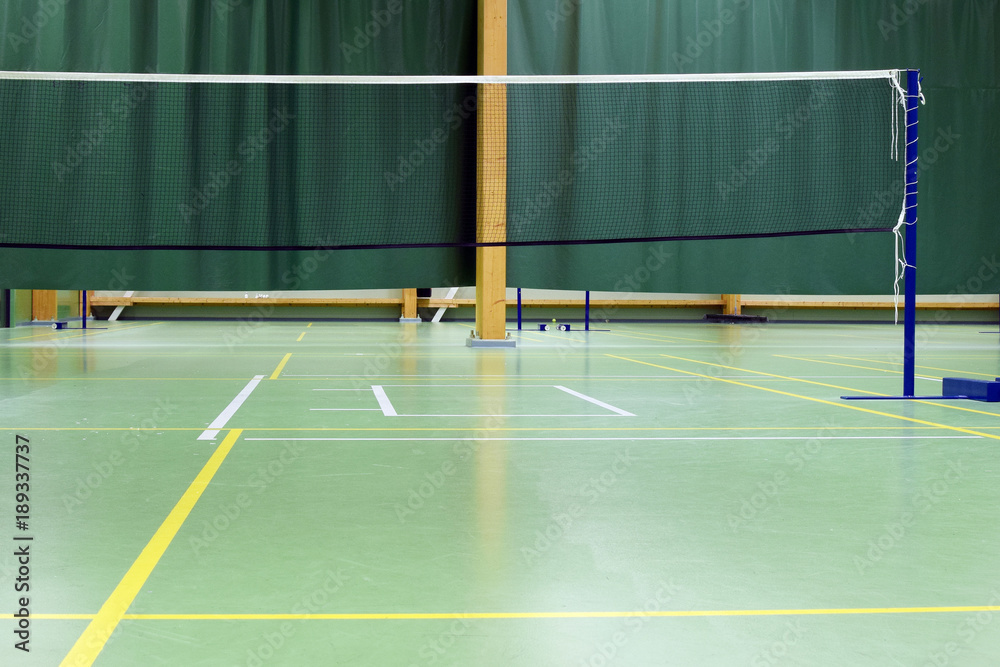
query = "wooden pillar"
x=44 y=305
x=410 y=304
x=491 y=185
x=732 y=305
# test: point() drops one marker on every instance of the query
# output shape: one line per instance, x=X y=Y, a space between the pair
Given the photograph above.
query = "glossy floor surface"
x=380 y=494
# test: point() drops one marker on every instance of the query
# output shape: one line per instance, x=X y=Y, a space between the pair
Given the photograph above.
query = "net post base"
x=474 y=341
x=410 y=320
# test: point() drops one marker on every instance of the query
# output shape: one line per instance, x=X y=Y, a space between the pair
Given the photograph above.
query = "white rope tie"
x=901 y=263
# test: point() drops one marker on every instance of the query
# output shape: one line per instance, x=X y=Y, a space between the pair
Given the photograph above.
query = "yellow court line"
x=100 y=629
x=79 y=335
x=447 y=616
x=309 y=325
x=301 y=336
x=281 y=366
x=834 y=386
x=932 y=368
x=834 y=363
x=816 y=400
x=522 y=336
x=659 y=339
x=663 y=336
x=773 y=375
x=281 y=429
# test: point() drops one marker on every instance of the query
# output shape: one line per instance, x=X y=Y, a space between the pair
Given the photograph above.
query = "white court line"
x=345 y=409
x=604 y=405
x=671 y=438
x=519 y=415
x=586 y=377
x=361 y=389
x=383 y=401
x=220 y=422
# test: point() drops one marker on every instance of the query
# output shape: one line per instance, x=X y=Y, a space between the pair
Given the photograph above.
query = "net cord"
x=152 y=77
x=900 y=262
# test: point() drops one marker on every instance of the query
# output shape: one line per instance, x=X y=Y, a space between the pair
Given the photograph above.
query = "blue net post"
x=586 y=312
x=83 y=308
x=910 y=204
x=518 y=308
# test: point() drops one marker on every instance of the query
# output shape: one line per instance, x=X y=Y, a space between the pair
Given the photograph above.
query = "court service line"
x=88 y=332
x=281 y=366
x=930 y=368
x=833 y=386
x=590 y=399
x=633 y=439
x=301 y=336
x=517 y=415
x=220 y=422
x=446 y=616
x=383 y=401
x=89 y=645
x=815 y=400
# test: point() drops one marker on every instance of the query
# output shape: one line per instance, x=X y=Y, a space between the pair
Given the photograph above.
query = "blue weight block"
x=977 y=390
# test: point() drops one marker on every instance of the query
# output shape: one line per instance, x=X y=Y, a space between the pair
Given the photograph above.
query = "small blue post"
x=910 y=203
x=518 y=308
x=586 y=312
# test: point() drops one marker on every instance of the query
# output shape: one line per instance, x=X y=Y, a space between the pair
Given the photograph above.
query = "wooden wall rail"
x=530 y=303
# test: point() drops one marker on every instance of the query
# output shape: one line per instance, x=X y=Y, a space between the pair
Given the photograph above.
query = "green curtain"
x=952 y=42
x=372 y=37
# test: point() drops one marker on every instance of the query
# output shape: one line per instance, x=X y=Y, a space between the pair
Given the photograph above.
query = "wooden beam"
x=869 y=305
x=223 y=301
x=410 y=303
x=44 y=305
x=491 y=180
x=731 y=304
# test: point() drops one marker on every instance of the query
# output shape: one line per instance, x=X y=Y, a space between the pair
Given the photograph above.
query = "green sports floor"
x=222 y=493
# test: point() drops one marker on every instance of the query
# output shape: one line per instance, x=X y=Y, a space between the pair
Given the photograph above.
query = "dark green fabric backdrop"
x=952 y=41
x=371 y=37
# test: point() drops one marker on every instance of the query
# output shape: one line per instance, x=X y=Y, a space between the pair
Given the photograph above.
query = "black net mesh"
x=199 y=165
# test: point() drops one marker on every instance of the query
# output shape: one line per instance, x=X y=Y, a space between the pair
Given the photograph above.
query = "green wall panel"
x=953 y=42
x=374 y=37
